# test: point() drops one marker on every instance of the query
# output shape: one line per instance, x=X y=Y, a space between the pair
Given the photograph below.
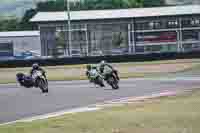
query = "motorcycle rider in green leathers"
x=106 y=68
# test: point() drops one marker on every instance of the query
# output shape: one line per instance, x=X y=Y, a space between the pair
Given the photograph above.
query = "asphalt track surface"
x=17 y=102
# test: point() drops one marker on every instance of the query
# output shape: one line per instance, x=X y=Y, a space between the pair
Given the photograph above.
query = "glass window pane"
x=156 y=37
x=6 y=49
x=191 y=35
x=110 y=39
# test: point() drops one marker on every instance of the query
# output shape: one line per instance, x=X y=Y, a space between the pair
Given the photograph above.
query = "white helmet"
x=103 y=62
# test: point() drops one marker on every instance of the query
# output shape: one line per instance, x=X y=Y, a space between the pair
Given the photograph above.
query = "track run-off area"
x=18 y=103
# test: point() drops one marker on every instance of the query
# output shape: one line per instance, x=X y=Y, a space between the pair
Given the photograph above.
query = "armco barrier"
x=87 y=60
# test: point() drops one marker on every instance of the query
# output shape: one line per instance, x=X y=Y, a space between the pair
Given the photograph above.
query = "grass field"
x=136 y=69
x=179 y=114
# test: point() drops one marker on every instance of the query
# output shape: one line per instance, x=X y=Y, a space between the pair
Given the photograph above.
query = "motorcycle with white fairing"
x=96 y=78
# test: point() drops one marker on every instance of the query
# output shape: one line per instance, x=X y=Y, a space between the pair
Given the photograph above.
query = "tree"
x=135 y=3
x=58 y=5
x=153 y=3
x=25 y=21
x=11 y=24
x=48 y=5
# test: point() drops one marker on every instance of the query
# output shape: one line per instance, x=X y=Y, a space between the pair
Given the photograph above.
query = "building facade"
x=126 y=31
x=13 y=43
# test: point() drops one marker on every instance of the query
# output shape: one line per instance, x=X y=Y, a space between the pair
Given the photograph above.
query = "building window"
x=78 y=36
x=77 y=26
x=191 y=35
x=191 y=47
x=172 y=24
x=142 y=26
x=169 y=48
x=150 y=25
x=156 y=48
x=156 y=37
x=193 y=22
x=155 y=25
x=153 y=48
x=108 y=37
x=6 y=49
x=139 y=49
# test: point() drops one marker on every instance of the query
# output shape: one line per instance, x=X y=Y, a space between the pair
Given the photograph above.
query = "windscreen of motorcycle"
x=36 y=74
x=93 y=73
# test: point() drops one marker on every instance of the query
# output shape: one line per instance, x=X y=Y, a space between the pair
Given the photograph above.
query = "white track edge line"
x=94 y=107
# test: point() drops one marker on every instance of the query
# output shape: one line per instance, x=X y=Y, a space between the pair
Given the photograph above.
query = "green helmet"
x=88 y=67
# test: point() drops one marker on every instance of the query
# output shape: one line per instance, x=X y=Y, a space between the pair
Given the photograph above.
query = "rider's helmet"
x=88 y=67
x=35 y=66
x=102 y=62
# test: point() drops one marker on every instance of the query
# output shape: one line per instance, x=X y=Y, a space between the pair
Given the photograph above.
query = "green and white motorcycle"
x=95 y=77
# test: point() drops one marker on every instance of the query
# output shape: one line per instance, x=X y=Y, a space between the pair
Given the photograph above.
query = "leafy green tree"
x=153 y=3
x=60 y=5
x=11 y=24
x=47 y=6
x=134 y=3
x=25 y=24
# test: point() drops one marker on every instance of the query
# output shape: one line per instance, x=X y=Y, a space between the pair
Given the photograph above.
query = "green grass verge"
x=179 y=114
x=67 y=78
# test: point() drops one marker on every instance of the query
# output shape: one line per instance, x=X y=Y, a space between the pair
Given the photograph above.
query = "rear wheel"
x=113 y=83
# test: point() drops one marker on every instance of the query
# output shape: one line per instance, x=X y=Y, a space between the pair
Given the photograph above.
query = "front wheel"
x=43 y=85
x=99 y=81
x=115 y=86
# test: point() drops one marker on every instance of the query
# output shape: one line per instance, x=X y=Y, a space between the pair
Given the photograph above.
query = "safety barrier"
x=87 y=60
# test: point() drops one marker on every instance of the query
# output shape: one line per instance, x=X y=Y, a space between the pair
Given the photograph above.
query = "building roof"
x=19 y=33
x=120 y=13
